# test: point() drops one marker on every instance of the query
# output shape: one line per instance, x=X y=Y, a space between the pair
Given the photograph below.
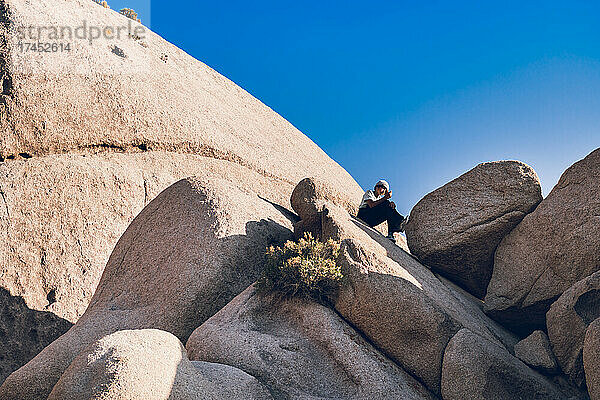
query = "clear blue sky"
x=415 y=92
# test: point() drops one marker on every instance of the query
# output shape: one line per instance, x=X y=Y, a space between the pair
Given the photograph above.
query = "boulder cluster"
x=88 y=138
x=184 y=272
x=134 y=229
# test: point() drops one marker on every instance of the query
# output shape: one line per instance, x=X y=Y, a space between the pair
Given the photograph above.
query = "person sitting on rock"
x=376 y=207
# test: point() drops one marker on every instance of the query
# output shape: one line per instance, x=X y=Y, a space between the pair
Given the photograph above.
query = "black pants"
x=384 y=211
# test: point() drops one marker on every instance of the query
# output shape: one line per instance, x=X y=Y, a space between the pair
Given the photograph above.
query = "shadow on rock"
x=24 y=332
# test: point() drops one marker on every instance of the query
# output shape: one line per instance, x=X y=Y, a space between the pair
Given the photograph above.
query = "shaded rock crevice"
x=567 y=321
x=587 y=306
x=198 y=149
x=3 y=195
x=145 y=191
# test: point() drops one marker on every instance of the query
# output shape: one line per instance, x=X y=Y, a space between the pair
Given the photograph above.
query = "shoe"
x=391 y=237
x=403 y=224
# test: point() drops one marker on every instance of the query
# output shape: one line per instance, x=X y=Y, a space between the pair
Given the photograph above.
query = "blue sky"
x=414 y=93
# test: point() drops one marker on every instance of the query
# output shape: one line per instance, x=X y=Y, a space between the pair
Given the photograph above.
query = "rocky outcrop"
x=399 y=304
x=191 y=250
x=82 y=206
x=455 y=229
x=89 y=139
x=310 y=196
x=591 y=359
x=551 y=249
x=120 y=93
x=150 y=364
x=475 y=368
x=299 y=349
x=90 y=136
x=568 y=320
x=535 y=351
x=63 y=216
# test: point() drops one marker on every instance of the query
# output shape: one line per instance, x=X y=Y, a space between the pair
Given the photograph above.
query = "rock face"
x=140 y=101
x=82 y=206
x=24 y=332
x=535 y=351
x=551 y=249
x=191 y=250
x=567 y=321
x=591 y=359
x=89 y=137
x=475 y=368
x=66 y=214
x=149 y=364
x=399 y=304
x=299 y=349
x=310 y=196
x=455 y=229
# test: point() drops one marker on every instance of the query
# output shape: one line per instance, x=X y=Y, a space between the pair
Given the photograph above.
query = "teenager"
x=376 y=207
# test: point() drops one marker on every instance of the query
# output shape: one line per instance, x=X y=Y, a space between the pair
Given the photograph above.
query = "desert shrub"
x=129 y=13
x=305 y=268
x=103 y=3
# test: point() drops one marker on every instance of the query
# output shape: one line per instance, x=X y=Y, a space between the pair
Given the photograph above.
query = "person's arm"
x=373 y=203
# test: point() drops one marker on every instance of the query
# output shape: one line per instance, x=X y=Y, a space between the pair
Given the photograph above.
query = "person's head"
x=381 y=187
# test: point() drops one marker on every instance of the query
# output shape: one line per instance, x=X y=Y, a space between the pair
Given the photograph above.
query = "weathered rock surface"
x=191 y=250
x=536 y=352
x=455 y=229
x=568 y=320
x=310 y=196
x=591 y=359
x=399 y=304
x=551 y=249
x=299 y=349
x=167 y=115
x=475 y=368
x=130 y=98
x=61 y=218
x=149 y=364
x=82 y=206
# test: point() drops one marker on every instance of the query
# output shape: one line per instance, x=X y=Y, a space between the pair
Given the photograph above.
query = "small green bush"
x=305 y=268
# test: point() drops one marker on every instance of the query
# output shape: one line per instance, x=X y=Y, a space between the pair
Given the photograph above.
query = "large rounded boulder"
x=568 y=320
x=192 y=249
x=455 y=229
x=551 y=249
x=300 y=349
x=149 y=364
x=477 y=369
